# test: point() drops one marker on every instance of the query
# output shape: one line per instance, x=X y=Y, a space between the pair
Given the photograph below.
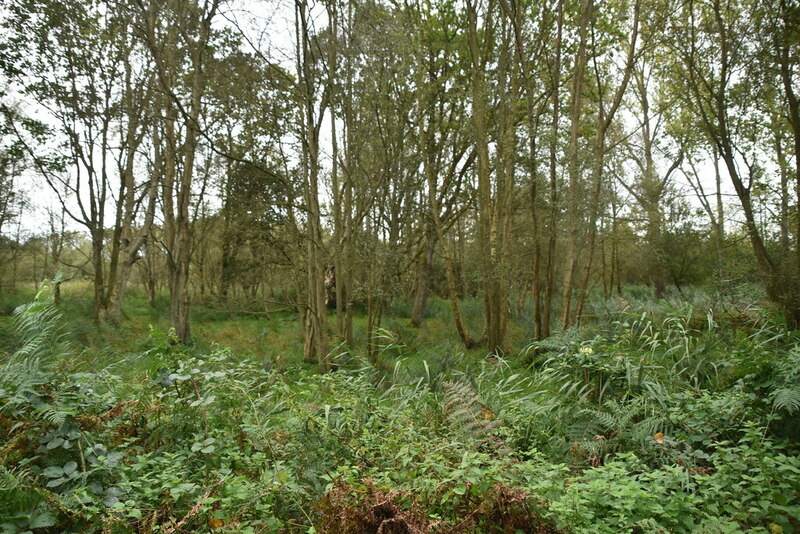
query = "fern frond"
x=469 y=416
x=20 y=383
x=584 y=429
x=646 y=428
x=617 y=426
x=786 y=384
x=787 y=398
x=560 y=342
x=24 y=376
x=608 y=421
x=38 y=325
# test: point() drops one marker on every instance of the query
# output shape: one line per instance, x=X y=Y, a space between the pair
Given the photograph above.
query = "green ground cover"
x=656 y=417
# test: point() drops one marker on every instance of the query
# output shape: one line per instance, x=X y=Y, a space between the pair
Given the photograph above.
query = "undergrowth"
x=651 y=422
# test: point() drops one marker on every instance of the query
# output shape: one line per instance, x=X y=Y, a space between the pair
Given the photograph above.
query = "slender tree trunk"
x=791 y=279
x=339 y=184
x=150 y=272
x=573 y=209
x=514 y=11
x=594 y=212
x=783 y=217
x=315 y=334
x=553 y=200
x=605 y=117
x=423 y=279
x=128 y=240
x=177 y=188
x=490 y=250
x=452 y=290
x=98 y=275
x=506 y=149
x=131 y=252
x=428 y=151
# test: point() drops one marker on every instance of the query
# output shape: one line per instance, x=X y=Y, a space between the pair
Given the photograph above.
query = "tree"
x=574 y=162
x=544 y=210
x=313 y=103
x=608 y=104
x=650 y=187
x=74 y=73
x=249 y=104
x=178 y=35
x=717 y=78
x=445 y=146
x=87 y=73
x=493 y=210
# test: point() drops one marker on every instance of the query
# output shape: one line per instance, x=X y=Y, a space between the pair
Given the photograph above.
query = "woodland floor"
x=656 y=416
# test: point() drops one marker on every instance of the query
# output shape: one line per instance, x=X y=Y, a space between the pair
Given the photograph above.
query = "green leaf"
x=45 y=519
x=70 y=467
x=57 y=442
x=54 y=472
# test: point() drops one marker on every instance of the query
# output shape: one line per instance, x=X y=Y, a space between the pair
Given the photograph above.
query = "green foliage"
x=37 y=324
x=470 y=417
x=752 y=481
x=749 y=483
x=653 y=422
x=25 y=375
x=625 y=496
x=785 y=392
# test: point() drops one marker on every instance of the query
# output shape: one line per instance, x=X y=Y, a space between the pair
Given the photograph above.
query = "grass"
x=276 y=342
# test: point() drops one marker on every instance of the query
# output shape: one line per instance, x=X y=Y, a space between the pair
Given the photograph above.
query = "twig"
x=198 y=506
x=202 y=406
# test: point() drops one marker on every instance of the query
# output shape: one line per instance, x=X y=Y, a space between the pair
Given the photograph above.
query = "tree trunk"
x=130 y=254
x=149 y=268
x=791 y=268
x=315 y=334
x=605 y=118
x=128 y=240
x=504 y=191
x=495 y=300
x=179 y=154
x=574 y=165
x=424 y=265
x=98 y=278
x=541 y=283
x=553 y=200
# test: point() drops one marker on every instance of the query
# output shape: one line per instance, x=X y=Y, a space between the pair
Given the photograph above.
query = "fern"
x=471 y=418
x=38 y=325
x=615 y=427
x=24 y=376
x=785 y=391
x=559 y=342
x=787 y=399
x=20 y=383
